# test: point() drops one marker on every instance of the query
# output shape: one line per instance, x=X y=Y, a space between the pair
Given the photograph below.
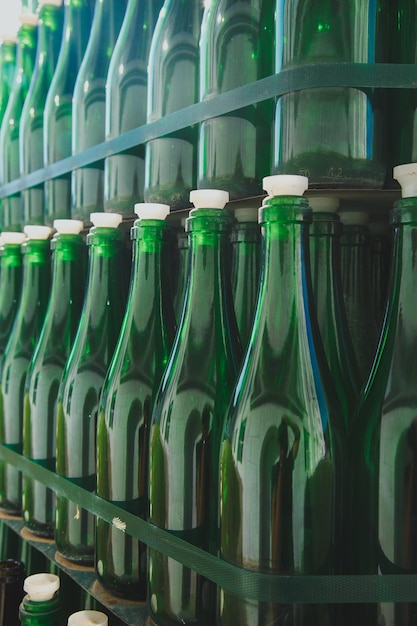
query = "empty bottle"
x=381 y=249
x=88 y=618
x=8 y=47
x=126 y=96
x=180 y=274
x=45 y=370
x=57 y=116
x=89 y=106
x=11 y=270
x=12 y=575
x=41 y=606
x=188 y=416
x=171 y=161
x=18 y=353
x=82 y=380
x=236 y=48
x=128 y=398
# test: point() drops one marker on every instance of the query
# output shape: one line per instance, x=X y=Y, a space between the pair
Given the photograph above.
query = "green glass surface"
x=89 y=106
x=236 y=48
x=44 y=376
x=282 y=453
x=12 y=216
x=43 y=613
x=181 y=272
x=381 y=249
x=171 y=161
x=11 y=283
x=325 y=233
x=383 y=502
x=18 y=353
x=81 y=384
x=31 y=122
x=126 y=98
x=57 y=120
x=7 y=72
x=126 y=405
x=187 y=422
x=333 y=135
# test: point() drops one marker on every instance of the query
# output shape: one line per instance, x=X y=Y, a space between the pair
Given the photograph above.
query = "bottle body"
x=11 y=283
x=7 y=72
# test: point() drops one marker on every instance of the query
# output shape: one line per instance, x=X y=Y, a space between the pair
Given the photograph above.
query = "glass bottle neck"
x=26 y=48
x=11 y=256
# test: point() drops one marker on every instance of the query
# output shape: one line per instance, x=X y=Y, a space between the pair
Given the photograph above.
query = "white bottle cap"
x=246 y=214
x=209 y=198
x=12 y=237
x=88 y=618
x=33 y=231
x=68 y=227
x=29 y=18
x=55 y=3
x=326 y=204
x=151 y=210
x=285 y=185
x=354 y=218
x=406 y=175
x=8 y=37
x=41 y=587
x=106 y=220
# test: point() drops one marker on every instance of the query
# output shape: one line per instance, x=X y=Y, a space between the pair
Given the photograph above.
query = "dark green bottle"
x=12 y=574
x=381 y=249
x=126 y=97
x=69 y=263
x=180 y=273
x=27 y=36
x=171 y=161
x=11 y=263
x=283 y=438
x=51 y=15
x=325 y=233
x=246 y=265
x=82 y=381
x=128 y=398
x=89 y=106
x=383 y=504
x=333 y=135
x=188 y=417
x=57 y=120
x=41 y=606
x=8 y=49
x=236 y=48
x=18 y=353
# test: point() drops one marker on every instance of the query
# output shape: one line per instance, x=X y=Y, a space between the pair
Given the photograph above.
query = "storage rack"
x=246 y=583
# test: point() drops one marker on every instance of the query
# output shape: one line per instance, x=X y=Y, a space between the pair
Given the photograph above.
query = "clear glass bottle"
x=171 y=161
x=284 y=437
x=126 y=96
x=82 y=381
x=8 y=48
x=41 y=606
x=89 y=106
x=187 y=420
x=27 y=37
x=11 y=269
x=12 y=575
x=57 y=117
x=333 y=135
x=51 y=15
x=236 y=48
x=69 y=261
x=128 y=398
x=18 y=353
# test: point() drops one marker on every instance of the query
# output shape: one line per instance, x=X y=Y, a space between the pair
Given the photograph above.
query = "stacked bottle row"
x=90 y=71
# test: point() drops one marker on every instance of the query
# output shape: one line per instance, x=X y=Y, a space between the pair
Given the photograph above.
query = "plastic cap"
x=327 y=204
x=41 y=587
x=8 y=37
x=88 y=618
x=106 y=220
x=33 y=231
x=354 y=218
x=68 y=227
x=12 y=237
x=151 y=210
x=406 y=175
x=55 y=3
x=29 y=18
x=209 y=198
x=247 y=214
x=285 y=185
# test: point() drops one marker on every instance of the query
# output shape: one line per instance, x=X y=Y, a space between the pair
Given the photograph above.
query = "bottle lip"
x=152 y=210
x=12 y=237
x=209 y=198
x=35 y=231
x=68 y=227
x=41 y=587
x=105 y=220
x=88 y=618
x=326 y=204
x=285 y=185
x=406 y=175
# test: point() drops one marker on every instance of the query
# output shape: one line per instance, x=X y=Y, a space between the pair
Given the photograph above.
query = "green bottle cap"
x=88 y=618
x=41 y=587
x=151 y=210
x=285 y=185
x=328 y=204
x=68 y=227
x=406 y=175
x=209 y=198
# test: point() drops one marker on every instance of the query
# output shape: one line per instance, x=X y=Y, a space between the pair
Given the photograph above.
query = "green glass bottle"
x=246 y=265
x=126 y=96
x=46 y=368
x=89 y=106
x=18 y=353
x=8 y=49
x=88 y=618
x=82 y=381
x=383 y=505
x=381 y=249
x=57 y=116
x=128 y=398
x=333 y=135
x=9 y=132
x=283 y=438
x=180 y=275
x=41 y=606
x=171 y=161
x=11 y=263
x=188 y=416
x=51 y=15
x=325 y=234
x=236 y=48
x=12 y=575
